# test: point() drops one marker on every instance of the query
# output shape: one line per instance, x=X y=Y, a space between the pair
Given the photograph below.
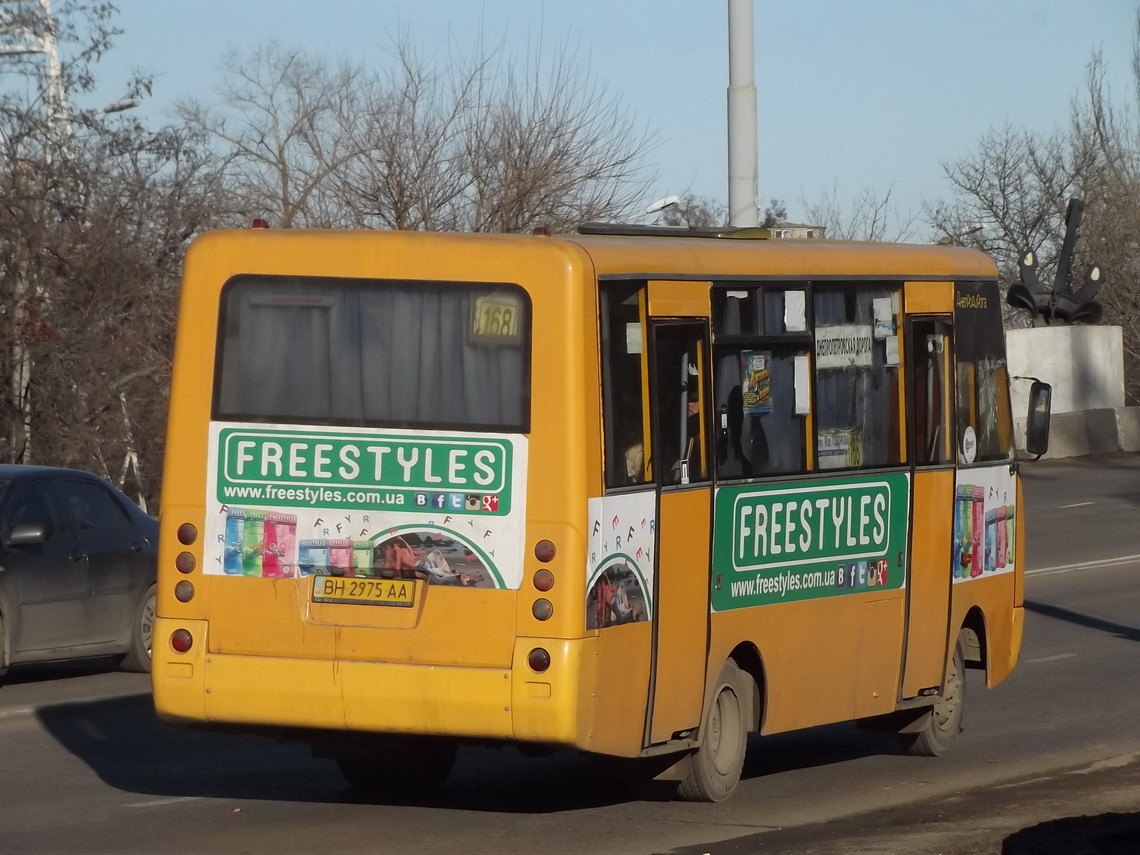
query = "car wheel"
x=142 y=634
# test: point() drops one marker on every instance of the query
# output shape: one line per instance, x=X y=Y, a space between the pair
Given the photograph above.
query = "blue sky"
x=851 y=95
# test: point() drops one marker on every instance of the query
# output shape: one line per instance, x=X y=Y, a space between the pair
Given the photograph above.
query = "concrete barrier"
x=1099 y=431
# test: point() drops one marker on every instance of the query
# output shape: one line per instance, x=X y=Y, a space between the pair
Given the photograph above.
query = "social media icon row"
x=469 y=502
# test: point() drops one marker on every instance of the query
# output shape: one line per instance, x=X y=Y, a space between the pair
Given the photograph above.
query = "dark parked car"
x=77 y=569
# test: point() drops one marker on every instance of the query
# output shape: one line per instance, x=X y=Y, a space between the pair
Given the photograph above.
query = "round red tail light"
x=538 y=660
x=187 y=534
x=543 y=580
x=544 y=550
x=184 y=562
x=181 y=640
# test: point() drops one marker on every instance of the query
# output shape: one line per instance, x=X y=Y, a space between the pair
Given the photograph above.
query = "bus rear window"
x=385 y=353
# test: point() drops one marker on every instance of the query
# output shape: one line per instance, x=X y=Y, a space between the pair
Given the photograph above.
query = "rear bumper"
x=358 y=696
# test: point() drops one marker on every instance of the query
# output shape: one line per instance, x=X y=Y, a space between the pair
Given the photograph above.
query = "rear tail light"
x=185 y=562
x=184 y=591
x=181 y=640
x=187 y=534
x=544 y=551
x=543 y=580
x=538 y=660
x=542 y=609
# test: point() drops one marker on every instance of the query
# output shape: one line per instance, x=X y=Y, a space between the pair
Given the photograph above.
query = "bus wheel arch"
x=748 y=659
x=973 y=637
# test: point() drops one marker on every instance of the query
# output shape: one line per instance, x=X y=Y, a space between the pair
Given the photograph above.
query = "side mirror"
x=26 y=534
x=1037 y=420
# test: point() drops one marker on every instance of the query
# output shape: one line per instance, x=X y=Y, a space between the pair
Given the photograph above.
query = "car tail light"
x=181 y=640
x=543 y=580
x=538 y=660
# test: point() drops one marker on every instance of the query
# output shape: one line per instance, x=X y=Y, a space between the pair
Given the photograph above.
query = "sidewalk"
x=1089 y=811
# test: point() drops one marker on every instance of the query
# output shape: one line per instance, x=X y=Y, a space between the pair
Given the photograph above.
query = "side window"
x=930 y=360
x=92 y=508
x=762 y=385
x=32 y=506
x=857 y=377
x=624 y=373
x=985 y=426
x=681 y=361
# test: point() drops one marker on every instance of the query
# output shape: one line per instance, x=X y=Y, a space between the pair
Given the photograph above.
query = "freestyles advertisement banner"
x=806 y=539
x=284 y=501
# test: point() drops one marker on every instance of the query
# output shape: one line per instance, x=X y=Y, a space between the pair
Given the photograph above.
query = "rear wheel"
x=715 y=767
x=396 y=764
x=142 y=634
x=944 y=721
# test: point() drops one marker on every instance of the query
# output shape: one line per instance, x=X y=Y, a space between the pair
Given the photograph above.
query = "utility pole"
x=743 y=198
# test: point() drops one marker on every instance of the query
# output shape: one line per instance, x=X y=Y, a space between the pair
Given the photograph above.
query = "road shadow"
x=51 y=671
x=1120 y=630
x=129 y=748
x=1104 y=834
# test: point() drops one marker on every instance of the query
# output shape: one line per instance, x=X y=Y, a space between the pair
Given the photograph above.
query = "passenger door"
x=682 y=468
x=114 y=553
x=47 y=584
x=930 y=368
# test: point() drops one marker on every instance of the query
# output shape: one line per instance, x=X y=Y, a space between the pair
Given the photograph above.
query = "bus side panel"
x=809 y=651
x=879 y=656
x=993 y=597
x=929 y=581
x=623 y=689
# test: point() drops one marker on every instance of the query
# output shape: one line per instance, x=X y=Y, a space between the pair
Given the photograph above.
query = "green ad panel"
x=296 y=468
x=800 y=540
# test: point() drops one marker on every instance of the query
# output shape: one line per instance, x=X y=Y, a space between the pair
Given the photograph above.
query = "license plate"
x=367 y=592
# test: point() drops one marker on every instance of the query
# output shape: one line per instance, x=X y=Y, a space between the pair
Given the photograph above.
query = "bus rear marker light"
x=544 y=551
x=181 y=640
x=184 y=591
x=185 y=562
x=543 y=580
x=187 y=534
x=538 y=660
x=542 y=609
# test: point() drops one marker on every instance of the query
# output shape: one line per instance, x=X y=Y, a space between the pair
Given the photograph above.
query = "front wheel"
x=944 y=721
x=142 y=634
x=715 y=767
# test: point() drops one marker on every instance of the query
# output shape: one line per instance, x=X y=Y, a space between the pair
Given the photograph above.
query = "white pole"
x=743 y=198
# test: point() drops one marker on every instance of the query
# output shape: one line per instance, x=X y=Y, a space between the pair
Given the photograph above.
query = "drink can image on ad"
x=278 y=558
x=978 y=533
x=234 y=542
x=253 y=543
x=313 y=557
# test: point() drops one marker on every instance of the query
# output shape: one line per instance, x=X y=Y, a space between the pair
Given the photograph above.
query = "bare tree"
x=448 y=144
x=286 y=128
x=869 y=216
x=1011 y=197
x=692 y=211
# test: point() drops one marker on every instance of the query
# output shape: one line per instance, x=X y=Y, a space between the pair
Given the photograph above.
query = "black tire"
x=142 y=634
x=397 y=764
x=944 y=721
x=715 y=767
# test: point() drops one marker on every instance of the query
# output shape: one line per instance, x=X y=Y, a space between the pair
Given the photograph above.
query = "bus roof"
x=611 y=255
x=690 y=257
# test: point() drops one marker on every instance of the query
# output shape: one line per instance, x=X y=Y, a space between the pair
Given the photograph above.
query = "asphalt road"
x=86 y=767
